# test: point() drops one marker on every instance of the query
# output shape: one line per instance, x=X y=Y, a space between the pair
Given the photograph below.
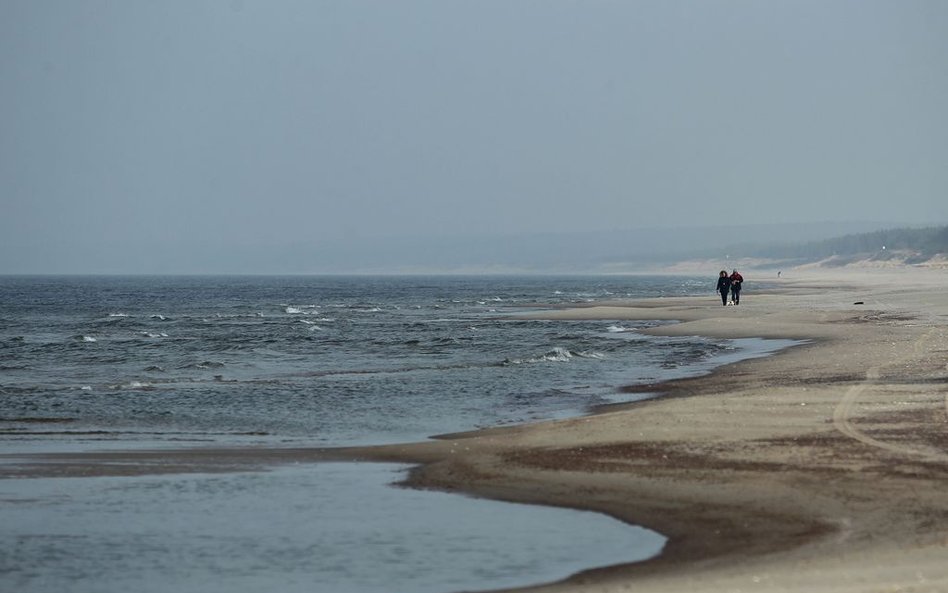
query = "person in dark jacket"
x=736 y=280
x=724 y=285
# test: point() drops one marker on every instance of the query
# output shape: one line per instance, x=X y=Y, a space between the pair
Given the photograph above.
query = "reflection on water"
x=331 y=527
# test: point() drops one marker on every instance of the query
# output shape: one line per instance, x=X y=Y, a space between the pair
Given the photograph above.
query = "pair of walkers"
x=730 y=284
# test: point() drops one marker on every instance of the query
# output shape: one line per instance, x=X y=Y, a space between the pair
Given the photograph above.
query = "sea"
x=118 y=362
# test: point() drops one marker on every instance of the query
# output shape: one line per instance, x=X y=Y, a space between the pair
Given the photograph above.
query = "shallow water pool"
x=332 y=527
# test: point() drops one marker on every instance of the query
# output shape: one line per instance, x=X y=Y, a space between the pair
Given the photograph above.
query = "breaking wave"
x=557 y=354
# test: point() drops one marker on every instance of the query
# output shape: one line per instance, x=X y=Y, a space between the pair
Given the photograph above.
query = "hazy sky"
x=155 y=127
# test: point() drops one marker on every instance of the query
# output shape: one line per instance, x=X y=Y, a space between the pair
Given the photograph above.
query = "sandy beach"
x=822 y=468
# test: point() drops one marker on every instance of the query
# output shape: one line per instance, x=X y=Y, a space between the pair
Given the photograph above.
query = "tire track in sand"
x=842 y=415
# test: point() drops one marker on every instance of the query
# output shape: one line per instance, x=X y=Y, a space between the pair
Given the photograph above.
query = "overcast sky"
x=138 y=127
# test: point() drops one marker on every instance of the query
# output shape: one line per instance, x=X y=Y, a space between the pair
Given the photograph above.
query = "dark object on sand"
x=859 y=303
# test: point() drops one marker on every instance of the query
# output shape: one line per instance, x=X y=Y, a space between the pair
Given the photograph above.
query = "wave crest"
x=557 y=354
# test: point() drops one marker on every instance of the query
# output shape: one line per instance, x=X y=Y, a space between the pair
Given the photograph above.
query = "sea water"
x=119 y=362
x=287 y=531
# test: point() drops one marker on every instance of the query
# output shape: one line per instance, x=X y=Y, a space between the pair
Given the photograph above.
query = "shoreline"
x=815 y=469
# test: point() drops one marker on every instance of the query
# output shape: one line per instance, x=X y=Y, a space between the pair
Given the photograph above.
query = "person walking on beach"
x=736 y=280
x=724 y=285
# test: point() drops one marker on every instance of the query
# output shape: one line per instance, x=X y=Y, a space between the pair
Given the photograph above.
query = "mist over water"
x=393 y=137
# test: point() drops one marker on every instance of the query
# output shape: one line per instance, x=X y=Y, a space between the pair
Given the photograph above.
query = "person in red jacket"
x=736 y=280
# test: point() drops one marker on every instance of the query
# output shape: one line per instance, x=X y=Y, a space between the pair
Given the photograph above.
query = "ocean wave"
x=154 y=335
x=618 y=329
x=313 y=321
x=557 y=354
x=38 y=420
x=300 y=309
x=229 y=316
x=203 y=365
x=138 y=385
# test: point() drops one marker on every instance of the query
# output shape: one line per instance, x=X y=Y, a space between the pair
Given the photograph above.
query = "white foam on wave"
x=558 y=354
x=89 y=339
x=300 y=309
x=133 y=385
x=154 y=335
x=618 y=329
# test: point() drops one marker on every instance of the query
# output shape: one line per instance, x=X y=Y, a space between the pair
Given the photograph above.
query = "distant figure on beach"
x=724 y=285
x=736 y=280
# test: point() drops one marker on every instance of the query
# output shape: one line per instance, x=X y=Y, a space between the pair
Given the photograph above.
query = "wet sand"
x=822 y=468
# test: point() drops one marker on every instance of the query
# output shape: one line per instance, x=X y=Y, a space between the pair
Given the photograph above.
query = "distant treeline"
x=913 y=244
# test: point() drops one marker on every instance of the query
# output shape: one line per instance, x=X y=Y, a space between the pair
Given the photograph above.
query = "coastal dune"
x=821 y=468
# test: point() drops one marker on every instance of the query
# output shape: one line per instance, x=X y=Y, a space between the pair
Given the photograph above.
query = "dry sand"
x=822 y=468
